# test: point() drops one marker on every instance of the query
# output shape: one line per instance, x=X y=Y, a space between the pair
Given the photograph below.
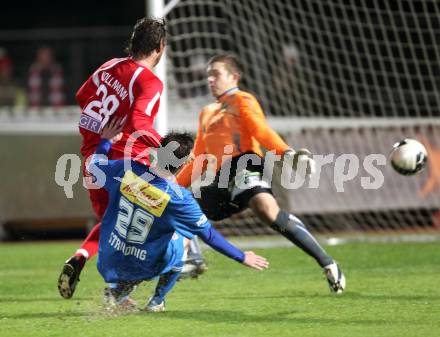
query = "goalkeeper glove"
x=302 y=161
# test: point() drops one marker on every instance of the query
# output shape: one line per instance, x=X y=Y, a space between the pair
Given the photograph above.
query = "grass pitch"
x=392 y=290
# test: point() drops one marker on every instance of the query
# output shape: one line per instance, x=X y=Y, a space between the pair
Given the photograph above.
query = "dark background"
x=380 y=50
x=54 y=14
x=83 y=34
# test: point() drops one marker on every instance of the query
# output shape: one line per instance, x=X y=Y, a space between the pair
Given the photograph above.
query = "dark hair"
x=172 y=161
x=148 y=33
x=231 y=62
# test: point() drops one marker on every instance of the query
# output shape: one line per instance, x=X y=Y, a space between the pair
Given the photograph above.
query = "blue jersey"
x=146 y=219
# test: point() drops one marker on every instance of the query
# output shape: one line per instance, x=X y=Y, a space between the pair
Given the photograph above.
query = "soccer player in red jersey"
x=121 y=88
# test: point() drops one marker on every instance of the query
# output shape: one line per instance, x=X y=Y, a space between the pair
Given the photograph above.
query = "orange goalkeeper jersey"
x=235 y=119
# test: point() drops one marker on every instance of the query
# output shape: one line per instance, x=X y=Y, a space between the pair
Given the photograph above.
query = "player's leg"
x=117 y=296
x=164 y=285
x=266 y=208
x=72 y=268
x=168 y=279
x=195 y=255
x=194 y=250
x=195 y=264
x=69 y=277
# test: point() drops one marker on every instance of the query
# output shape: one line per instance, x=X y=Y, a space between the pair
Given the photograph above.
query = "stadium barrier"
x=29 y=196
x=32 y=142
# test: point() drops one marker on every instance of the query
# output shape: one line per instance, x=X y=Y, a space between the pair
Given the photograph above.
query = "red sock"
x=90 y=245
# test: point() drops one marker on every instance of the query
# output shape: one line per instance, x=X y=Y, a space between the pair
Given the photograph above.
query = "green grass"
x=393 y=290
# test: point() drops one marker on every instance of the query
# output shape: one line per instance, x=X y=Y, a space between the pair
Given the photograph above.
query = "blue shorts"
x=175 y=255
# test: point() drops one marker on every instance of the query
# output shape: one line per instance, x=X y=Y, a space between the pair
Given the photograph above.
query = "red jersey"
x=120 y=88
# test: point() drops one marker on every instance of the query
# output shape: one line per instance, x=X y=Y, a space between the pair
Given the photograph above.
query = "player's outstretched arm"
x=215 y=240
x=191 y=220
x=255 y=261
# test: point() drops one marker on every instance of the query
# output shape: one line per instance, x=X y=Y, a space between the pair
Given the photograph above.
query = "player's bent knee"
x=265 y=207
x=286 y=222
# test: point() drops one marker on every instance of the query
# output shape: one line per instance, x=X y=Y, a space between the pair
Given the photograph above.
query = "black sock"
x=294 y=230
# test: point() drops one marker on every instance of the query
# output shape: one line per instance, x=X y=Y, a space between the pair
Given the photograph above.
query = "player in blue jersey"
x=149 y=220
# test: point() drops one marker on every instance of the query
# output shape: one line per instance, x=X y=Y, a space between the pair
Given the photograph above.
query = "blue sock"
x=165 y=284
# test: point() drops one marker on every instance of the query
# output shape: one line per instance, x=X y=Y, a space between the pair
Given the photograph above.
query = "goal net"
x=346 y=79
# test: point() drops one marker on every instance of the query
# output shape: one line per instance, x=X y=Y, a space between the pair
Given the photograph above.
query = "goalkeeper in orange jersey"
x=234 y=127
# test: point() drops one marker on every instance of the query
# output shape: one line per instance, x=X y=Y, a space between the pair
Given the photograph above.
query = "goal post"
x=342 y=78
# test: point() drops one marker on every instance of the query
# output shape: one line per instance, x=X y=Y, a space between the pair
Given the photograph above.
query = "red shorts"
x=98 y=196
x=99 y=199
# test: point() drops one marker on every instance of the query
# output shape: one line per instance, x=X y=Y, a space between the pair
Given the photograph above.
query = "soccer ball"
x=408 y=157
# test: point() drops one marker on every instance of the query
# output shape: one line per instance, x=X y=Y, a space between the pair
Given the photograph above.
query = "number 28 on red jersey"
x=121 y=87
